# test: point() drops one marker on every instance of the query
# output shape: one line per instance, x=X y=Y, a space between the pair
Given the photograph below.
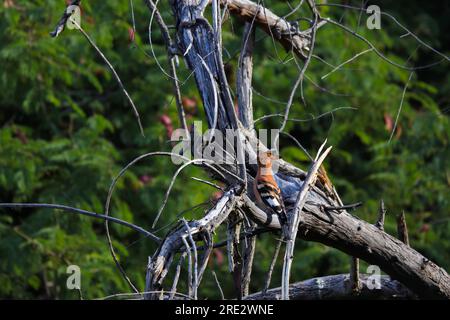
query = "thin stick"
x=381 y=55
x=402 y=229
x=172 y=66
x=348 y=61
x=188 y=251
x=396 y=21
x=82 y=212
x=272 y=266
x=207 y=252
x=355 y=284
x=209 y=183
x=218 y=284
x=313 y=117
x=400 y=107
x=381 y=216
x=290 y=231
x=177 y=275
x=194 y=249
x=142 y=293
x=301 y=76
x=249 y=254
x=119 y=81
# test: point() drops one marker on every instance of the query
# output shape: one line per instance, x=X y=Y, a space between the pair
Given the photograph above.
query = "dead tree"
x=315 y=211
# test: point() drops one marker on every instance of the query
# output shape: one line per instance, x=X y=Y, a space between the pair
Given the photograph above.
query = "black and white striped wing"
x=272 y=199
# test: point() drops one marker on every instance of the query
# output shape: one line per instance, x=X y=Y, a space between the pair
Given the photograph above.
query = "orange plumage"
x=267 y=192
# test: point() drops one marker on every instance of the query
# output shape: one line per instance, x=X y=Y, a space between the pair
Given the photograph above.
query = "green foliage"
x=67 y=130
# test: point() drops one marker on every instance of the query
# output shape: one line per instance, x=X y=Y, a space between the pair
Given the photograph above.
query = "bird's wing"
x=271 y=197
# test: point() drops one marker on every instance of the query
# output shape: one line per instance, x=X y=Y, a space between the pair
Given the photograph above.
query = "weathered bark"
x=402 y=229
x=332 y=227
x=283 y=31
x=160 y=263
x=363 y=240
x=338 y=287
x=244 y=79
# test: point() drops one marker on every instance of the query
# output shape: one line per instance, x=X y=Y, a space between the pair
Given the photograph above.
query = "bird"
x=266 y=190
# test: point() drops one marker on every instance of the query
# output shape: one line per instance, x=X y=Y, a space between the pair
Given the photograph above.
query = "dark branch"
x=82 y=212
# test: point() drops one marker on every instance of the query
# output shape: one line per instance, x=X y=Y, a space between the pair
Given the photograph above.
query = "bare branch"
x=82 y=212
x=402 y=229
x=294 y=219
x=345 y=62
x=355 y=283
x=272 y=266
x=177 y=275
x=247 y=261
x=218 y=285
x=172 y=59
x=291 y=39
x=244 y=79
x=116 y=76
x=234 y=257
x=161 y=261
x=400 y=106
x=381 y=216
x=336 y=287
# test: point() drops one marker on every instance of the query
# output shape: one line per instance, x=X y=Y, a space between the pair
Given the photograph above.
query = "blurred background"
x=66 y=130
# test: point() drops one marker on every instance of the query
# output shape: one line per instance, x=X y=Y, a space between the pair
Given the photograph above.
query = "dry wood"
x=337 y=287
x=402 y=229
x=160 y=263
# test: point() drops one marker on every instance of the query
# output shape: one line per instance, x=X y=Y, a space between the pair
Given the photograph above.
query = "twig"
x=397 y=22
x=177 y=275
x=172 y=67
x=143 y=293
x=218 y=285
x=381 y=55
x=244 y=79
x=345 y=62
x=323 y=89
x=194 y=249
x=247 y=262
x=402 y=229
x=190 y=278
x=313 y=117
x=272 y=266
x=209 y=183
x=290 y=231
x=234 y=258
x=400 y=107
x=381 y=216
x=352 y=206
x=160 y=262
x=207 y=238
x=299 y=145
x=172 y=182
x=119 y=81
x=302 y=71
x=355 y=284
x=82 y=212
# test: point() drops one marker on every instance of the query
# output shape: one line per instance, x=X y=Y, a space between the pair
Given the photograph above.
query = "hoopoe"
x=267 y=192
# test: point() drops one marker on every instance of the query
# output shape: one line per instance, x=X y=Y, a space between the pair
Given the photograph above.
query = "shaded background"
x=66 y=131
